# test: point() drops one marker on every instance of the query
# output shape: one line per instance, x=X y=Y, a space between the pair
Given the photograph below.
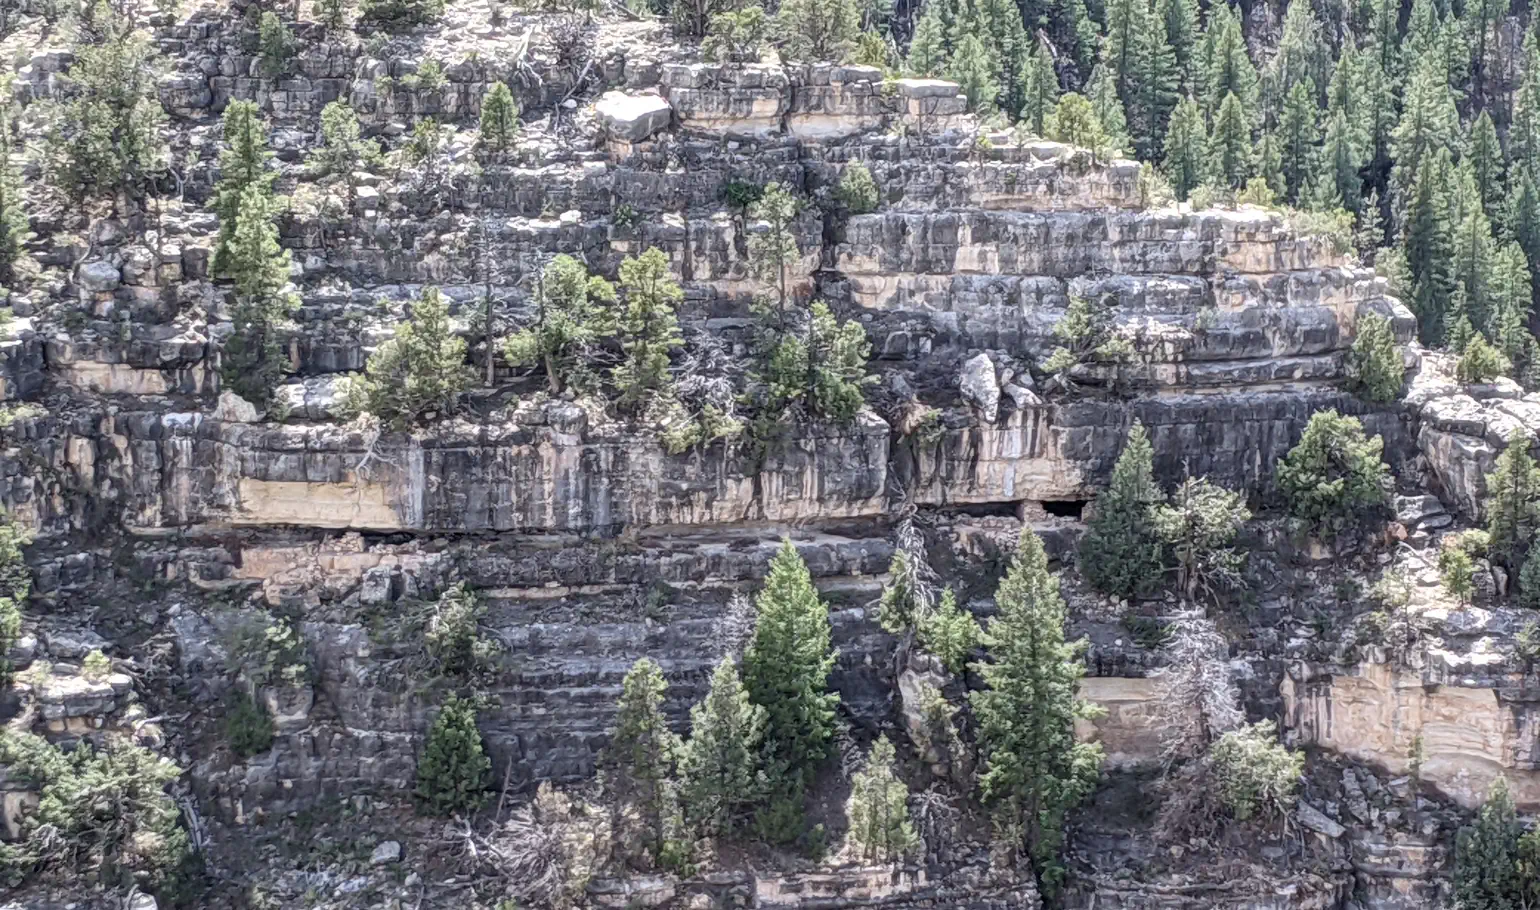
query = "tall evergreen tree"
x=1483 y=19
x=1345 y=96
x=1041 y=90
x=1428 y=241
x=928 y=48
x=1512 y=503
x=421 y=368
x=720 y=763
x=639 y=762
x=1108 y=108
x=1269 y=164
x=1186 y=163
x=452 y=772
x=1487 y=167
x=1180 y=19
x=1229 y=145
x=253 y=361
x=1119 y=553
x=1298 y=137
x=972 y=67
x=1225 y=66
x=499 y=119
x=1486 y=870
x=1385 y=36
x=786 y=670
x=1381 y=114
x=1428 y=123
x=1341 y=162
x=1524 y=128
x=1302 y=54
x=1034 y=770
x=242 y=166
x=13 y=215
x=1143 y=69
x=1475 y=251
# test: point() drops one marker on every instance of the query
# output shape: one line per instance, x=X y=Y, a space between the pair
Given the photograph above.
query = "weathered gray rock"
x=979 y=386
x=385 y=853
x=98 y=276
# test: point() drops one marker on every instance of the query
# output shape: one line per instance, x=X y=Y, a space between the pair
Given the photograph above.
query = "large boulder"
x=632 y=118
x=979 y=386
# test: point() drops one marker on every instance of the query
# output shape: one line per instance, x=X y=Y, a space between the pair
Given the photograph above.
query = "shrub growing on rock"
x=819 y=30
x=646 y=328
x=399 y=14
x=499 y=118
x=452 y=772
x=1257 y=775
x=1334 y=477
x=857 y=191
x=1513 y=502
x=1198 y=525
x=568 y=320
x=950 y=632
x=248 y=726
x=275 y=44
x=878 y=809
x=1481 y=362
x=103 y=814
x=418 y=372
x=453 y=636
x=106 y=138
x=1374 y=363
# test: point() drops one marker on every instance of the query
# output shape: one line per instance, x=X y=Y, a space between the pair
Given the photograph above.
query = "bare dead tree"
x=1198 y=701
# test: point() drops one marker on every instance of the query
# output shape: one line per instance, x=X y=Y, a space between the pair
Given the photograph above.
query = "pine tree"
x=719 y=765
x=1428 y=239
x=1511 y=305
x=569 y=311
x=1302 y=54
x=774 y=250
x=341 y=152
x=1482 y=21
x=499 y=119
x=1142 y=66
x=1334 y=477
x=786 y=670
x=1345 y=96
x=333 y=14
x=421 y=370
x=1474 y=251
x=106 y=138
x=1425 y=34
x=816 y=30
x=1225 y=67
x=1186 y=163
x=998 y=26
x=1269 y=164
x=927 y=49
x=1107 y=108
x=949 y=632
x=1385 y=36
x=1075 y=122
x=1375 y=367
x=242 y=166
x=1199 y=525
x=646 y=326
x=1119 y=553
x=1524 y=129
x=1487 y=167
x=1428 y=124
x=1034 y=770
x=1229 y=146
x=1513 y=502
x=1380 y=93
x=1486 y=873
x=878 y=809
x=253 y=361
x=1180 y=20
x=1040 y=90
x=452 y=773
x=973 y=69
x=1298 y=137
x=639 y=762
x=1341 y=162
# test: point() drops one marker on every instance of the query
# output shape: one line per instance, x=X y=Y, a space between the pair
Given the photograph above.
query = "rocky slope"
x=168 y=515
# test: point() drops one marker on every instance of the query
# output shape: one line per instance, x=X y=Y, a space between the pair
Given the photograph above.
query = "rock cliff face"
x=171 y=515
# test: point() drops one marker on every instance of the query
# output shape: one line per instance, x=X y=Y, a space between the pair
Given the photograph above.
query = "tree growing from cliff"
x=1375 y=368
x=878 y=809
x=1034 y=771
x=420 y=371
x=773 y=250
x=452 y=635
x=639 y=765
x=342 y=151
x=1486 y=861
x=817 y=30
x=1121 y=553
x=646 y=327
x=333 y=14
x=1199 y=525
x=499 y=119
x=1197 y=701
x=857 y=191
x=1087 y=334
x=949 y=632
x=569 y=310
x=1513 y=502
x=105 y=139
x=1334 y=477
x=786 y=671
x=253 y=360
x=720 y=765
x=15 y=587
x=1256 y=775
x=242 y=170
x=102 y=813
x=14 y=227
x=452 y=772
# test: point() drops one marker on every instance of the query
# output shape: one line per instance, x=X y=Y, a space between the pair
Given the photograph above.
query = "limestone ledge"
x=1468 y=736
